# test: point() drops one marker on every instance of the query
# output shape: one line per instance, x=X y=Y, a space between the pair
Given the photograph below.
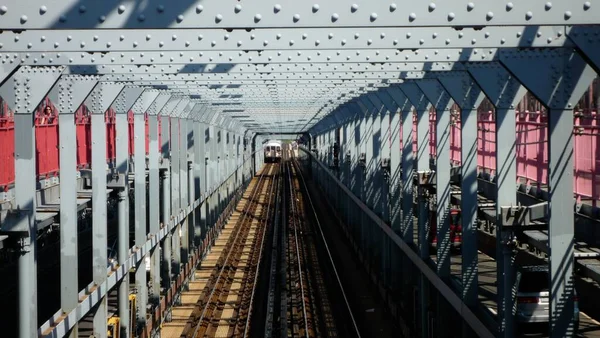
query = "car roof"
x=534 y=268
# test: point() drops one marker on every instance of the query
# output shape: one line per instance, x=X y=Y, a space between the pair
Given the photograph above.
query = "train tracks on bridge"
x=272 y=256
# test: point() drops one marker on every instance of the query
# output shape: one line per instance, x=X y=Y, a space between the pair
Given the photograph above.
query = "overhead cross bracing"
x=206 y=65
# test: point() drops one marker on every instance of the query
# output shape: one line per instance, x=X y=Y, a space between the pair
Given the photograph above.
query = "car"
x=455 y=229
x=533 y=296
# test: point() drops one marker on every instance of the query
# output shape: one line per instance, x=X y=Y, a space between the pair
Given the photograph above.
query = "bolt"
x=528 y=15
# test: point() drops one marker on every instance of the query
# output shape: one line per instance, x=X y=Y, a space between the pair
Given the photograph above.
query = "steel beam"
x=98 y=102
x=100 y=40
x=69 y=92
x=346 y=69
x=468 y=96
x=505 y=92
x=567 y=77
x=32 y=14
x=442 y=102
x=23 y=91
x=221 y=61
x=586 y=39
x=153 y=110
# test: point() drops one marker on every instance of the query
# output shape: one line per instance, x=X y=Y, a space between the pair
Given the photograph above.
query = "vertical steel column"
x=564 y=77
x=201 y=162
x=468 y=96
x=69 y=92
x=166 y=247
x=175 y=192
x=441 y=100
x=122 y=105
x=422 y=106
x=143 y=101
x=407 y=164
x=385 y=149
x=98 y=102
x=22 y=95
x=154 y=189
x=183 y=174
x=505 y=92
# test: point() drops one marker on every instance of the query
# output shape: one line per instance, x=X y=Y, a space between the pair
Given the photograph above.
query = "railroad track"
x=299 y=302
x=224 y=307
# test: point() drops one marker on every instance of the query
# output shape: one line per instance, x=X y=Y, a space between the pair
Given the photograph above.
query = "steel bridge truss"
x=225 y=72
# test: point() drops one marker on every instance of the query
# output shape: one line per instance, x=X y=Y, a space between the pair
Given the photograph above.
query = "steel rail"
x=299 y=260
x=276 y=250
x=255 y=193
x=337 y=276
x=274 y=187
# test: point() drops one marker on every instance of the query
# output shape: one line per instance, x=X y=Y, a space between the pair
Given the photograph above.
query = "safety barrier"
x=47 y=136
x=532 y=148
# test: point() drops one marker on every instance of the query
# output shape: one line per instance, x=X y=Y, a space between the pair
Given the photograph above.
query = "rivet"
x=296 y=17
x=529 y=15
x=373 y=17
x=214 y=43
x=538 y=34
x=408 y=35
x=568 y=15
x=503 y=41
x=431 y=7
x=586 y=5
x=451 y=16
x=62 y=18
x=160 y=44
x=121 y=9
x=470 y=6
x=489 y=16
x=82 y=9
x=487 y=35
x=102 y=18
x=549 y=40
x=473 y=41
x=509 y=6
x=237 y=8
x=343 y=42
x=122 y=37
x=393 y=7
x=434 y=35
x=226 y=37
x=257 y=18
x=335 y=17
x=421 y=41
x=56 y=45
x=200 y=37
x=135 y=44
x=199 y=9
x=354 y=8
x=447 y=41
x=108 y=44
x=179 y=18
x=412 y=17
x=519 y=34
x=356 y=36
x=24 y=19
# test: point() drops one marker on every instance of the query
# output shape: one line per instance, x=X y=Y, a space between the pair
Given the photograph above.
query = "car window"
x=533 y=281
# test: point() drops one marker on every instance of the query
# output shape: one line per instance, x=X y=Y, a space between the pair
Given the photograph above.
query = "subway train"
x=272 y=151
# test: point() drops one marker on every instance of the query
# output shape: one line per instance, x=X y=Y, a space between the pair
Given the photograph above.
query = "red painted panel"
x=111 y=134
x=7 y=147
